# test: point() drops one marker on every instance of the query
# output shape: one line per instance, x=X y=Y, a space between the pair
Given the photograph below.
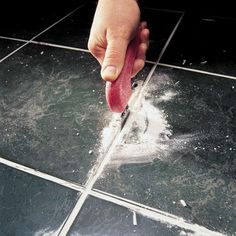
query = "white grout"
x=88 y=187
x=152 y=213
x=27 y=42
x=156 y=214
x=162 y=9
x=135 y=207
x=14 y=39
x=93 y=178
x=147 y=61
x=60 y=46
x=41 y=175
x=67 y=15
x=16 y=50
x=162 y=52
x=197 y=71
x=150 y=62
x=45 y=44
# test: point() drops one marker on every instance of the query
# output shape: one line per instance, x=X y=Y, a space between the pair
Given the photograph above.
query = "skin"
x=115 y=24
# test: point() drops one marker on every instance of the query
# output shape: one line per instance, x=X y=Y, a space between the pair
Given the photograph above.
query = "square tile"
x=25 y=19
x=204 y=43
x=53 y=111
x=99 y=217
x=32 y=206
x=180 y=145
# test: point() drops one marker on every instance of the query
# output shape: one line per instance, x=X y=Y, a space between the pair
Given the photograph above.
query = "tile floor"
x=68 y=166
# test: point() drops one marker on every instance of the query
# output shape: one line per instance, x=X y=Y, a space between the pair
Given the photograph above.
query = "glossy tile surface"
x=161 y=24
x=53 y=111
x=99 y=217
x=180 y=144
x=204 y=43
x=25 y=19
x=30 y=205
x=7 y=46
x=73 y=31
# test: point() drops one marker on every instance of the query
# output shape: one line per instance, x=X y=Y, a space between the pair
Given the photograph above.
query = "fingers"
x=114 y=58
x=141 y=55
x=96 y=50
x=111 y=54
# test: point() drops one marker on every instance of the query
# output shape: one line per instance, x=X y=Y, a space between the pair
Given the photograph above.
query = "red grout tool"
x=119 y=92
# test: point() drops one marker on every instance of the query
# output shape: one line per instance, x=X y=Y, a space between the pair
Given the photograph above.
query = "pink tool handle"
x=118 y=92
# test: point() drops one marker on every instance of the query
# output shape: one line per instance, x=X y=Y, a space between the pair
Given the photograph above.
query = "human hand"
x=115 y=24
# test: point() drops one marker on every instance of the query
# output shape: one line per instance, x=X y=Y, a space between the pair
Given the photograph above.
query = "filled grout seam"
x=147 y=61
x=155 y=214
x=93 y=178
x=141 y=209
x=162 y=51
x=197 y=71
x=29 y=41
x=41 y=175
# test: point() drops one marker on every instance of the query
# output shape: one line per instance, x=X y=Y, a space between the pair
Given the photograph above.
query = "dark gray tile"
x=30 y=205
x=53 y=111
x=26 y=19
x=180 y=145
x=73 y=31
x=8 y=46
x=204 y=43
x=161 y=25
x=99 y=217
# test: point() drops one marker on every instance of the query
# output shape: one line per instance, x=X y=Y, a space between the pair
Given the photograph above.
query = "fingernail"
x=109 y=73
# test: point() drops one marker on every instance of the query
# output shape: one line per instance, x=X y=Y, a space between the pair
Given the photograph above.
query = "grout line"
x=93 y=178
x=222 y=17
x=147 y=61
x=198 y=71
x=45 y=44
x=155 y=214
x=27 y=42
x=67 y=15
x=141 y=209
x=150 y=62
x=162 y=52
x=60 y=46
x=88 y=187
x=162 y=9
x=4 y=58
x=14 y=39
x=41 y=175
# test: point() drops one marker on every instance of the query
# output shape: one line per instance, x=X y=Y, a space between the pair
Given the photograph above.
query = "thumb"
x=114 y=58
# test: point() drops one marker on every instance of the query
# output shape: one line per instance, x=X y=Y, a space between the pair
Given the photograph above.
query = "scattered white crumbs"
x=183 y=203
x=134 y=218
x=182 y=233
x=203 y=62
